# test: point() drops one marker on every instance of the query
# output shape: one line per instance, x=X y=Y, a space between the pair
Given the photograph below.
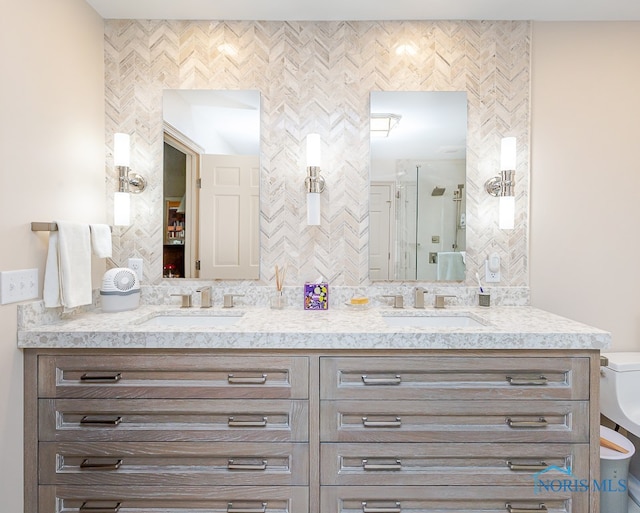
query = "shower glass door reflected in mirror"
x=418 y=176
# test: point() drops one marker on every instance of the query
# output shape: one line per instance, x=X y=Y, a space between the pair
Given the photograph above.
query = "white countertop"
x=504 y=327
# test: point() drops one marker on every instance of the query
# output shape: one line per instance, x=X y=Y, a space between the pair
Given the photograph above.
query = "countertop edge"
x=506 y=328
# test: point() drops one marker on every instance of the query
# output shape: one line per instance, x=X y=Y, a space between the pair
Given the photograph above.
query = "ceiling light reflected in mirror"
x=382 y=124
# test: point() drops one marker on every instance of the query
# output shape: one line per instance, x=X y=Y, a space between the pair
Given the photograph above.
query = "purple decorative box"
x=316 y=296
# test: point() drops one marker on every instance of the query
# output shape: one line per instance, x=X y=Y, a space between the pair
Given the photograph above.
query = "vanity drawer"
x=454 y=421
x=494 y=498
x=174 y=499
x=125 y=420
x=458 y=377
x=173 y=464
x=448 y=464
x=173 y=376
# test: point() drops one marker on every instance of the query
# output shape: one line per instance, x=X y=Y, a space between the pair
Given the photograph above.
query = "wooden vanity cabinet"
x=211 y=431
x=182 y=432
x=463 y=432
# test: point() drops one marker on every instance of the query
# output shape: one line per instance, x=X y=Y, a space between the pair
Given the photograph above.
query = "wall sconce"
x=503 y=186
x=313 y=183
x=128 y=182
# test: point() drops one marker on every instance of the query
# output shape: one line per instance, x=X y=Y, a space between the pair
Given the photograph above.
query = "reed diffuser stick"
x=280 y=277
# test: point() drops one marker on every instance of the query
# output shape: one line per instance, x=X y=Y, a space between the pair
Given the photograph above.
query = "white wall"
x=52 y=166
x=585 y=175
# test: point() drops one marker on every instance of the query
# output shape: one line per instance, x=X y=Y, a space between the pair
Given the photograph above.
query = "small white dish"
x=363 y=306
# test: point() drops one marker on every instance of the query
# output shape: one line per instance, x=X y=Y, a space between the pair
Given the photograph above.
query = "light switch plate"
x=18 y=286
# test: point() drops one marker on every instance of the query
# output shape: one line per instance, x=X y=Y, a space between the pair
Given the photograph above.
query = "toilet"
x=620 y=402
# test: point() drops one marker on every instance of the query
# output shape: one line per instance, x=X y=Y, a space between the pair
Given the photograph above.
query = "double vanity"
x=252 y=410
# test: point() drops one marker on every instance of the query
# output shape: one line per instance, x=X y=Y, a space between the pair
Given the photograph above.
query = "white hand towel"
x=450 y=266
x=68 y=266
x=51 y=291
x=101 y=240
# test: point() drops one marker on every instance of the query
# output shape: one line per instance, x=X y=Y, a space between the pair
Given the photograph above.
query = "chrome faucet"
x=228 y=300
x=439 y=303
x=398 y=300
x=186 y=300
x=419 y=297
x=206 y=301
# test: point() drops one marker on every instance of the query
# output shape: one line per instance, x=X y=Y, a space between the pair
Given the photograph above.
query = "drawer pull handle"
x=540 y=423
x=100 y=421
x=531 y=467
x=396 y=380
x=100 y=465
x=382 y=423
x=261 y=509
x=247 y=423
x=373 y=509
x=88 y=377
x=382 y=466
x=247 y=380
x=527 y=381
x=512 y=509
x=232 y=465
x=99 y=508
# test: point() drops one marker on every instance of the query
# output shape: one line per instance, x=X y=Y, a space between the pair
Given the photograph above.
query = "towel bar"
x=47 y=227
x=44 y=227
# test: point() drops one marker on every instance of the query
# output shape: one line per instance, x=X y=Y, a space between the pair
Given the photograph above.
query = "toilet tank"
x=619 y=385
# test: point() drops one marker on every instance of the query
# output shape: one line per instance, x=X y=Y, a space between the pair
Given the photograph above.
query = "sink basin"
x=431 y=321
x=211 y=321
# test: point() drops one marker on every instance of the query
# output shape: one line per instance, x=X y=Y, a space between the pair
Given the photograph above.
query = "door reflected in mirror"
x=211 y=184
x=417 y=212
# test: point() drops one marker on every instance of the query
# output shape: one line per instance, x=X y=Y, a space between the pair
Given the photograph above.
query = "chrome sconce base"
x=130 y=182
x=502 y=185
x=314 y=183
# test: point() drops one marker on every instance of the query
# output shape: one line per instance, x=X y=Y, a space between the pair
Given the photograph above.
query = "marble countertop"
x=502 y=327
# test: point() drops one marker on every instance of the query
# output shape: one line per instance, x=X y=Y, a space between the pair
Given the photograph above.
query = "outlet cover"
x=489 y=275
x=135 y=264
x=18 y=286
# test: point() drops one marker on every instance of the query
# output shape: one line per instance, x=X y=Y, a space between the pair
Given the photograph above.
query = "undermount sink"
x=186 y=320
x=432 y=321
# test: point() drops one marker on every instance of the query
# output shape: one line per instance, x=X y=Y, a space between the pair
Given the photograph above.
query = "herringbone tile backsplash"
x=316 y=77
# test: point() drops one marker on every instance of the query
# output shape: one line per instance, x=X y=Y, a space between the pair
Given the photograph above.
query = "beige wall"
x=585 y=176
x=52 y=147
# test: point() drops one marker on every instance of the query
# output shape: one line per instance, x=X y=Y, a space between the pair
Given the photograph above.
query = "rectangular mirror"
x=211 y=184
x=418 y=173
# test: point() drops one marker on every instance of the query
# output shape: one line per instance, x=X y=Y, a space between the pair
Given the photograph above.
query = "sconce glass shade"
x=507 y=213
x=508 y=154
x=121 y=150
x=313 y=208
x=314 y=183
x=121 y=209
x=313 y=151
